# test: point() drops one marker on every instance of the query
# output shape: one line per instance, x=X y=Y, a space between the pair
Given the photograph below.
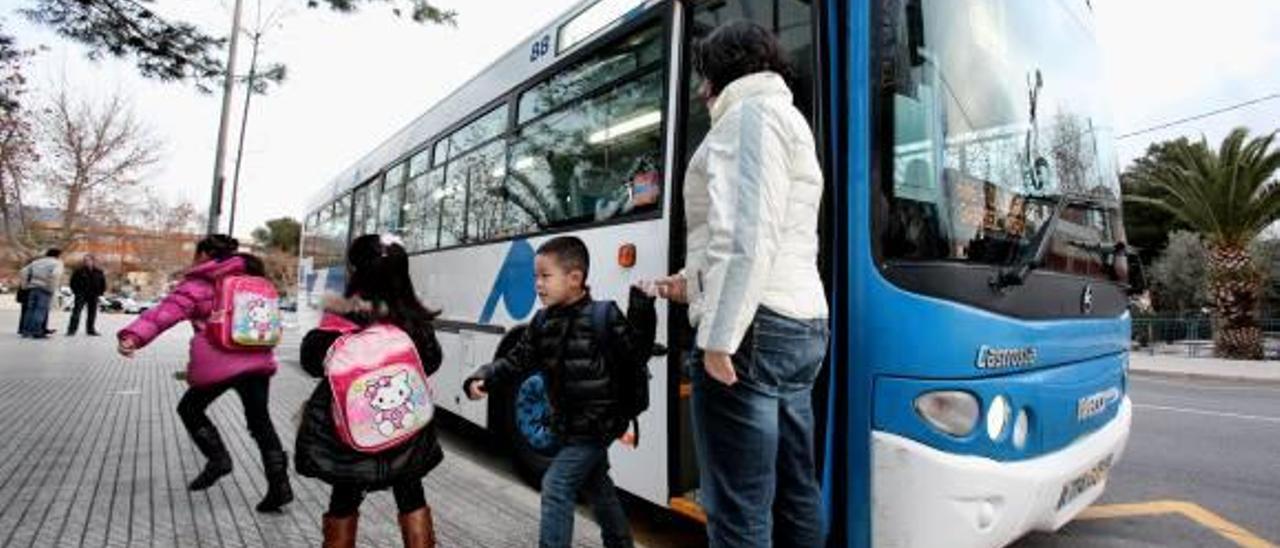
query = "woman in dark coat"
x=378 y=290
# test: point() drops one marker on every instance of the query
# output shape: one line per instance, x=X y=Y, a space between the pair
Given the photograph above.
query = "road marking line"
x=1194 y=512
x=1208 y=413
x=1198 y=385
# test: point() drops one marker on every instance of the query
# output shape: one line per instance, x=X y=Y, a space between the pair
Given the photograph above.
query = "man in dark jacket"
x=583 y=374
x=88 y=283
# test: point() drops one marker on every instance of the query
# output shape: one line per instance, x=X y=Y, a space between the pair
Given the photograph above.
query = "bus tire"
x=532 y=442
x=504 y=409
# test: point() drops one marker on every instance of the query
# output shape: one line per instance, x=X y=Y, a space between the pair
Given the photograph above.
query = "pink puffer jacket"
x=194 y=300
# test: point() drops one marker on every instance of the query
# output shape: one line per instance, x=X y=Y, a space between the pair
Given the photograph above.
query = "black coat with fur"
x=321 y=454
x=584 y=404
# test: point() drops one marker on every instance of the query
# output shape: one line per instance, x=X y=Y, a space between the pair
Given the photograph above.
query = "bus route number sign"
x=540 y=48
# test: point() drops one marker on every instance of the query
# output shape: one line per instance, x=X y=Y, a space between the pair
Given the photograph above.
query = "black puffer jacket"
x=321 y=454
x=581 y=389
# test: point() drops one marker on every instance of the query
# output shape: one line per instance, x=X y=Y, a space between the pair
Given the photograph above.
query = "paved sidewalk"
x=1205 y=368
x=93 y=454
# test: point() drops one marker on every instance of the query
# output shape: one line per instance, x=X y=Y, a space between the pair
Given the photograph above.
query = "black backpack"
x=629 y=376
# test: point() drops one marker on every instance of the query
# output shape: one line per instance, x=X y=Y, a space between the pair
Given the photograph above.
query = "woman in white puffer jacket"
x=752 y=195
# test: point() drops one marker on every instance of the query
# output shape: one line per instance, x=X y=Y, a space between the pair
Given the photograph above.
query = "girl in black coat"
x=378 y=289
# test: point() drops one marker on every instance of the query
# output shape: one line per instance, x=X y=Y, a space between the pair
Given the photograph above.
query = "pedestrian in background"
x=379 y=290
x=212 y=370
x=42 y=279
x=88 y=283
x=752 y=194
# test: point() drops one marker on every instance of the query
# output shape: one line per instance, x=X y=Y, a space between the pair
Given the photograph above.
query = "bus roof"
x=496 y=79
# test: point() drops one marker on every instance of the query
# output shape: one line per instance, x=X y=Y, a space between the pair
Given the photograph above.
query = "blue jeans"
x=581 y=467
x=37 y=312
x=759 y=483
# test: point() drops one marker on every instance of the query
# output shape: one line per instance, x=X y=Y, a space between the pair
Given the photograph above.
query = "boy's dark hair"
x=55 y=253
x=570 y=253
x=737 y=49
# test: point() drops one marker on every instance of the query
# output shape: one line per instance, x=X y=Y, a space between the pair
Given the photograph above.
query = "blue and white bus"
x=976 y=387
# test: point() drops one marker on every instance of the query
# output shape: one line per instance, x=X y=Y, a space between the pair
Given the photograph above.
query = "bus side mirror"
x=1137 y=275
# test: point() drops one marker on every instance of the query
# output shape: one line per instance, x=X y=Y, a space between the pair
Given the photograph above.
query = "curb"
x=1183 y=375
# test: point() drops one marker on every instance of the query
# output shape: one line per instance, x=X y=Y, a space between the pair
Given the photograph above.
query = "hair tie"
x=387 y=240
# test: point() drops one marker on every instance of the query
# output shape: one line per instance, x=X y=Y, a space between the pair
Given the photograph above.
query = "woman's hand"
x=673 y=288
x=720 y=366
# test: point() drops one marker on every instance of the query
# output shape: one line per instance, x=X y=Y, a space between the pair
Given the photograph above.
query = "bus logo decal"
x=1006 y=358
x=513 y=285
x=1092 y=406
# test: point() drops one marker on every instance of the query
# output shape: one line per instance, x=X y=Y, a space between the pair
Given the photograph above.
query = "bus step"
x=688 y=507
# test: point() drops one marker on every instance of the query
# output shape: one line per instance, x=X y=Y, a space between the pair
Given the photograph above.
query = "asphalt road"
x=1212 y=447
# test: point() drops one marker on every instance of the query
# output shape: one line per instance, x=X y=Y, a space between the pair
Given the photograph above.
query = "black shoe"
x=71 y=333
x=50 y=332
x=279 y=492
x=94 y=334
x=219 y=465
x=213 y=471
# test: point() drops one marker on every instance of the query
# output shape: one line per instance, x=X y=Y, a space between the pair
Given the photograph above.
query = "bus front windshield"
x=996 y=109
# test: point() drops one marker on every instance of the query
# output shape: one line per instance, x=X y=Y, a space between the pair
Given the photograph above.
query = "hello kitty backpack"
x=246 y=315
x=381 y=396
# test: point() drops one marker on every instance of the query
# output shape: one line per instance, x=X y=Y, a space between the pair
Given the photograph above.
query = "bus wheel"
x=532 y=439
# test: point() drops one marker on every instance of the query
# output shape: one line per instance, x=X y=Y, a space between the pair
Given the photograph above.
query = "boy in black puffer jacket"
x=583 y=382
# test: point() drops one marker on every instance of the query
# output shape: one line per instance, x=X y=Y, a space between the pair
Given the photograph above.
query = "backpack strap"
x=600 y=311
x=600 y=323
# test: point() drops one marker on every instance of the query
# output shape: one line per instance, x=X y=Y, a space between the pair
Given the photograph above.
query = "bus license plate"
x=1095 y=475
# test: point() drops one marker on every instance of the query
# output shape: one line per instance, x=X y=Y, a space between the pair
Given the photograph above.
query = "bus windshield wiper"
x=1016 y=274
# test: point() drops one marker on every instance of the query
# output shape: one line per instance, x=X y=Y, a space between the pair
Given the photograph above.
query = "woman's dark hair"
x=378 y=272
x=221 y=247
x=737 y=49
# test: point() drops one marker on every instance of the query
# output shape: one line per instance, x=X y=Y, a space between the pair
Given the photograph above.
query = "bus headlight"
x=1020 y=428
x=997 y=417
x=950 y=411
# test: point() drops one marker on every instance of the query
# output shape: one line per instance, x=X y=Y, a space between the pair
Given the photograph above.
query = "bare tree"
x=94 y=155
x=17 y=148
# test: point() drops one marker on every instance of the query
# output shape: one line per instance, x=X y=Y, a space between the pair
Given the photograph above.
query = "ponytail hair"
x=378 y=272
x=218 y=247
x=221 y=247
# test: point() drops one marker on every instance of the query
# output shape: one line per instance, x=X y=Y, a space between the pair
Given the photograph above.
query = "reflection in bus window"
x=453 y=206
x=592 y=161
x=422 y=210
x=485 y=168
x=631 y=55
x=482 y=129
x=392 y=201
x=988 y=137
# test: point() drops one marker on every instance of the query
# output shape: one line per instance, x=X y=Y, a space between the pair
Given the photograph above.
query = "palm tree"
x=1229 y=196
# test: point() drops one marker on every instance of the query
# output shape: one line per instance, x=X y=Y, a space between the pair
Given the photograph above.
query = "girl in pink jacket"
x=211 y=370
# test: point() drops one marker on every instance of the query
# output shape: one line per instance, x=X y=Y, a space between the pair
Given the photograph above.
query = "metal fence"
x=1173 y=330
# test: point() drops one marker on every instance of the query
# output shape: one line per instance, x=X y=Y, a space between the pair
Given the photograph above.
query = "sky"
x=354 y=80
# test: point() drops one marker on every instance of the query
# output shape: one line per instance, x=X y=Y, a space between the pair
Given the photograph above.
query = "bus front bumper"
x=923 y=497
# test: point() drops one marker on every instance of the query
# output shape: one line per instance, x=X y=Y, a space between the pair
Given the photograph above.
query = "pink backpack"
x=246 y=315
x=381 y=396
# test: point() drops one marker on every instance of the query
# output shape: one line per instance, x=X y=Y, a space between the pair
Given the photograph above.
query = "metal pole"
x=219 y=160
x=244 y=124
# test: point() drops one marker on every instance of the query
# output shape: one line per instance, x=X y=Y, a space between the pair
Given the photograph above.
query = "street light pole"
x=215 y=201
x=244 y=124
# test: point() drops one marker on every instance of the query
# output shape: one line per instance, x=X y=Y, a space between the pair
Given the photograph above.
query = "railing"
x=1194 y=335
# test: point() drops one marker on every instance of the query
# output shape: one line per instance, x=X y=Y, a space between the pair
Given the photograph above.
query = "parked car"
x=110 y=304
x=129 y=306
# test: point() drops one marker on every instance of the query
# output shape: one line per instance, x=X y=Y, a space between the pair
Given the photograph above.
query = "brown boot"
x=340 y=532
x=417 y=530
